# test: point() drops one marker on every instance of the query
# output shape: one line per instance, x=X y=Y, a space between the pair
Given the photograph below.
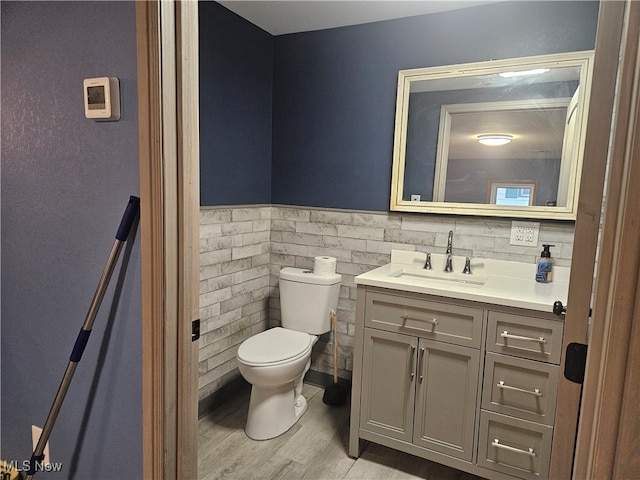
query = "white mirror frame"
x=583 y=59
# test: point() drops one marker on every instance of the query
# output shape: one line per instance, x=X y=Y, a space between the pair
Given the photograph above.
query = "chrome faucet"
x=448 y=267
x=427 y=264
x=467 y=266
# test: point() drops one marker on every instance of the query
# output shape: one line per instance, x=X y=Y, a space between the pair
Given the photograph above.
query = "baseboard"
x=239 y=385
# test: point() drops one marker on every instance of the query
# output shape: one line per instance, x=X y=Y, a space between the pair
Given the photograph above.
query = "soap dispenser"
x=544 y=272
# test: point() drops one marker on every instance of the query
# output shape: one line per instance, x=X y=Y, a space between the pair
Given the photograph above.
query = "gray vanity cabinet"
x=447 y=382
x=419 y=391
x=466 y=384
x=388 y=381
x=420 y=366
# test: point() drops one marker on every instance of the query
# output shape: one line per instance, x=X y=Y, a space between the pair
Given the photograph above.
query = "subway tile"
x=262 y=225
x=300 y=238
x=290 y=249
x=214 y=215
x=376 y=220
x=297 y=214
x=283 y=225
x=216 y=296
x=215 y=256
x=236 y=265
x=236 y=228
x=262 y=259
x=255 y=272
x=249 y=286
x=244 y=214
x=372 y=259
x=338 y=218
x=409 y=237
x=365 y=233
x=210 y=230
x=317 y=228
x=344 y=243
x=235 y=302
x=256 y=238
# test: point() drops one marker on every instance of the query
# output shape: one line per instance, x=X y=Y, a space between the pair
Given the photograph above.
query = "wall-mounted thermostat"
x=102 y=98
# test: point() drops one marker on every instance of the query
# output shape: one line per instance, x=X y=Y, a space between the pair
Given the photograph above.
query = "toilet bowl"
x=276 y=360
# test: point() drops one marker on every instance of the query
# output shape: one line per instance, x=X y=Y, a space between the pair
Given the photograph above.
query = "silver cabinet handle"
x=506 y=334
x=504 y=386
x=420 y=364
x=407 y=317
x=496 y=443
x=413 y=362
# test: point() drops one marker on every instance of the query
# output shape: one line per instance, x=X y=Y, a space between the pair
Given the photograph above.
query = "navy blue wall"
x=335 y=90
x=65 y=183
x=236 y=71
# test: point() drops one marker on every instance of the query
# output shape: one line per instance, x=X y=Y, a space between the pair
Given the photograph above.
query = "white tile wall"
x=244 y=248
x=234 y=287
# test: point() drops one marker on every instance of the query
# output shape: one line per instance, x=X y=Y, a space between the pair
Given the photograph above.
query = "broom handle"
x=129 y=216
x=334 y=321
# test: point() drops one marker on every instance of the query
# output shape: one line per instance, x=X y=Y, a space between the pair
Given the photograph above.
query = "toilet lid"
x=274 y=345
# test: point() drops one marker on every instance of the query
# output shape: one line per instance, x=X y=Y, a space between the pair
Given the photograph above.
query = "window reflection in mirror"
x=443 y=112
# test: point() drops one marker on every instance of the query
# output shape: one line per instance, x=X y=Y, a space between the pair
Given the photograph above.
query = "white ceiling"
x=291 y=16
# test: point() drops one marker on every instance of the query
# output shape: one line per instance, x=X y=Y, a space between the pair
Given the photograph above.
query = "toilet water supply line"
x=130 y=214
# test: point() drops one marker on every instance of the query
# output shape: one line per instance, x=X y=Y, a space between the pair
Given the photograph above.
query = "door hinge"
x=575 y=362
x=195 y=330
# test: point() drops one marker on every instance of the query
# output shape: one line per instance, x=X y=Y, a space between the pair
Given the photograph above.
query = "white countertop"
x=497 y=282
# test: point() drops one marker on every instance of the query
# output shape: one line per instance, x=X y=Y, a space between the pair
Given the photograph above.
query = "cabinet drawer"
x=527 y=337
x=514 y=446
x=522 y=388
x=434 y=320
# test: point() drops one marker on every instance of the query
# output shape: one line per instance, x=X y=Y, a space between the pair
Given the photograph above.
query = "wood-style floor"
x=314 y=449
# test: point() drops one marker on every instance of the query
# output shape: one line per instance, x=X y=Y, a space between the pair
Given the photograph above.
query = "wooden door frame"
x=596 y=145
x=167 y=43
x=609 y=429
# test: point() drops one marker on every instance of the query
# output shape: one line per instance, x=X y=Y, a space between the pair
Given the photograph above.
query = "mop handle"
x=128 y=218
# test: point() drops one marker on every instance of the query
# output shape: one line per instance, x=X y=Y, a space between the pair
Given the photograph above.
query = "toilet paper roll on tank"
x=324 y=266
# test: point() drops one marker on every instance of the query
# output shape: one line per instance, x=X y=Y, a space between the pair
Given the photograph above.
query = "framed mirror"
x=497 y=138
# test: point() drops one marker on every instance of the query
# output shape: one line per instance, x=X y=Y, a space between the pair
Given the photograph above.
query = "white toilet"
x=276 y=360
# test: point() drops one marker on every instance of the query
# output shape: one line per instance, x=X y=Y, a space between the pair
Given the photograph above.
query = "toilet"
x=275 y=361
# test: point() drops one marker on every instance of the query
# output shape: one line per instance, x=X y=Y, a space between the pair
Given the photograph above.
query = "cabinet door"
x=446 y=399
x=388 y=383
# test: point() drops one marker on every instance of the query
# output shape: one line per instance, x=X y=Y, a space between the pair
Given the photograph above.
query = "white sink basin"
x=433 y=277
x=498 y=282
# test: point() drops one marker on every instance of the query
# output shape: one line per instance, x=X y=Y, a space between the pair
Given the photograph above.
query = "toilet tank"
x=307 y=299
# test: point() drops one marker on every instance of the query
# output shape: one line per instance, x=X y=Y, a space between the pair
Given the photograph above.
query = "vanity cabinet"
x=405 y=379
x=457 y=382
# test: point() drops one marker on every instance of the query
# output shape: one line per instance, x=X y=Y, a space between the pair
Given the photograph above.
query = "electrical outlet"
x=524 y=233
x=35 y=436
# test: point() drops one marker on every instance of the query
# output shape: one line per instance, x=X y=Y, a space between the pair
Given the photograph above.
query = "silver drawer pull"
x=407 y=317
x=496 y=443
x=506 y=334
x=535 y=392
x=420 y=364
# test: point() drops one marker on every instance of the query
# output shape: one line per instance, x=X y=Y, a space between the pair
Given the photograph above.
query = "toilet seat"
x=274 y=346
